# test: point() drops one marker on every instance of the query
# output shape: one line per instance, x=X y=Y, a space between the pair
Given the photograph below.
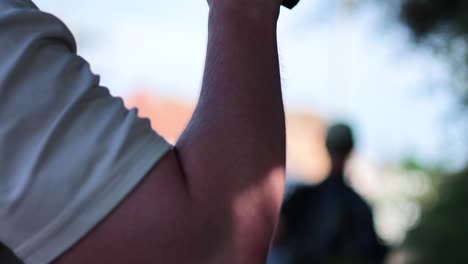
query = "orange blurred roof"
x=168 y=117
x=306 y=155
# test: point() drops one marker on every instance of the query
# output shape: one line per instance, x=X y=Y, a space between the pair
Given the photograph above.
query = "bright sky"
x=340 y=66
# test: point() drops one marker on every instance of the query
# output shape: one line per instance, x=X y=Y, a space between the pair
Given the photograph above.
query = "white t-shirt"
x=69 y=151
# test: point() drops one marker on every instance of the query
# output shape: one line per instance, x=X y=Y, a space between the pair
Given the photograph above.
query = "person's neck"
x=337 y=169
x=336 y=176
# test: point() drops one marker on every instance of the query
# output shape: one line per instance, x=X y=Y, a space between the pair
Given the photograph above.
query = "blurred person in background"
x=328 y=223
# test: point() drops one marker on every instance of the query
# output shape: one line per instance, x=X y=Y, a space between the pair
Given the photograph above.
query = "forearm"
x=237 y=135
x=234 y=147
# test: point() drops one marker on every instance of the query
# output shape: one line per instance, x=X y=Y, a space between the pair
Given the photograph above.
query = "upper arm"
x=157 y=222
x=162 y=222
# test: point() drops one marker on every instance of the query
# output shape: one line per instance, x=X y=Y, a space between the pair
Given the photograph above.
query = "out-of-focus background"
x=395 y=70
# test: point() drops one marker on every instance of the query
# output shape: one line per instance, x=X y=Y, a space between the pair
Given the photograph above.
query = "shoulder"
x=357 y=204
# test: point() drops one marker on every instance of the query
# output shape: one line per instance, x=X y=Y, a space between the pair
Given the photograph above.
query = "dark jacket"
x=330 y=223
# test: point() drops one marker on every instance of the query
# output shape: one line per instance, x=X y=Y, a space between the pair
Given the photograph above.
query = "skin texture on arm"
x=216 y=196
x=233 y=150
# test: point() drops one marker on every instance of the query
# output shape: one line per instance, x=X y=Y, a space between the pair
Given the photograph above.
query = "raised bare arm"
x=215 y=198
x=233 y=151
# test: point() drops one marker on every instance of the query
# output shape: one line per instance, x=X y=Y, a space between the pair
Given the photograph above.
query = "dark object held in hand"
x=290 y=3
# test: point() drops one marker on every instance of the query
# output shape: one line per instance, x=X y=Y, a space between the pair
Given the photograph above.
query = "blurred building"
x=307 y=157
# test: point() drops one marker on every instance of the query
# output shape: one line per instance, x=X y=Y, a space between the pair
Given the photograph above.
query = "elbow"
x=254 y=219
x=239 y=198
x=242 y=227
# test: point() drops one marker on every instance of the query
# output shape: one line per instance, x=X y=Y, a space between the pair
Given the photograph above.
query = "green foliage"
x=443 y=25
x=428 y=17
x=442 y=234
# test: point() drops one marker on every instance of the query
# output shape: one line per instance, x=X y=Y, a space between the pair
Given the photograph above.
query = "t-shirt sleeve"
x=69 y=151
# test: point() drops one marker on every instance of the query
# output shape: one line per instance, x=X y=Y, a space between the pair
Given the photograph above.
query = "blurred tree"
x=442 y=25
x=442 y=236
x=426 y=17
